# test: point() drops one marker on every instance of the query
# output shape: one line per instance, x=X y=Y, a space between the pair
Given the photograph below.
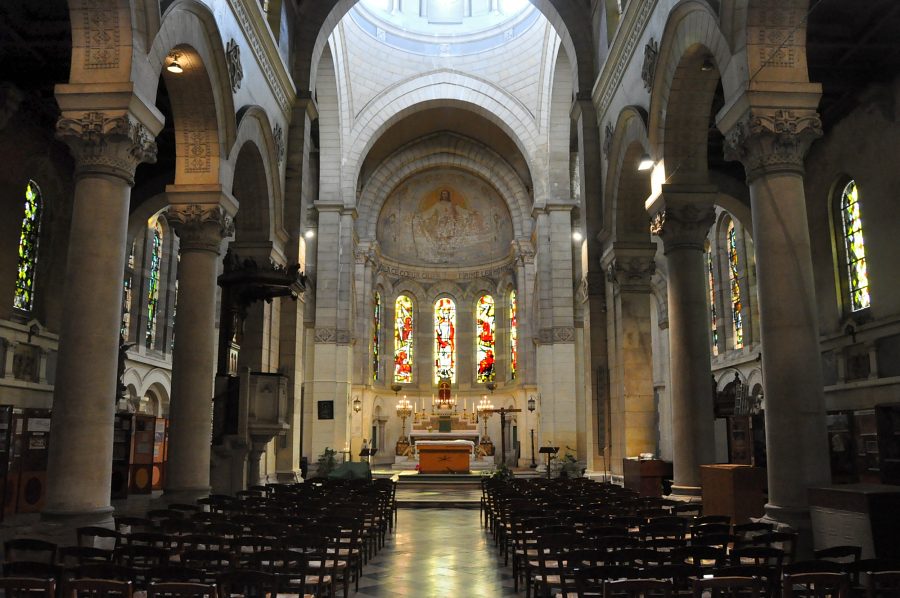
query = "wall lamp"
x=175 y=66
x=646 y=162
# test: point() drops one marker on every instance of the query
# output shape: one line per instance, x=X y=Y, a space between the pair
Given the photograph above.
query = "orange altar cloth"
x=435 y=458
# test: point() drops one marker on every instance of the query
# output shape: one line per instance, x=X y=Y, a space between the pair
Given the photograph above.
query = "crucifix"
x=503 y=411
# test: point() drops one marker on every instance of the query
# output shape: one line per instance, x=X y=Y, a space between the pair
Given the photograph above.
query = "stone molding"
x=332 y=335
x=683 y=226
x=106 y=144
x=557 y=335
x=200 y=227
x=767 y=141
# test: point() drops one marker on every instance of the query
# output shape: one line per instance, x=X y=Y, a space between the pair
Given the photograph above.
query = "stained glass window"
x=28 y=247
x=737 y=315
x=153 y=285
x=127 y=295
x=855 y=249
x=376 y=334
x=403 y=339
x=513 y=335
x=444 y=339
x=485 y=331
x=713 y=315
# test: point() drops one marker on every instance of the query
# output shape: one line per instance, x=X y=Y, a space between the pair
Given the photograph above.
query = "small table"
x=444 y=458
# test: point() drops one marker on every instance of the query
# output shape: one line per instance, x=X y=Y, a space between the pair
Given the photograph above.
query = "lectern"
x=367 y=453
x=549 y=450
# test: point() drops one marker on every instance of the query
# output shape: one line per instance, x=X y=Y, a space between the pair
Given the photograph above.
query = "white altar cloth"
x=468 y=443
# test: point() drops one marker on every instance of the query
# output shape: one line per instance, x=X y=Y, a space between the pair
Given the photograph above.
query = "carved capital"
x=770 y=141
x=631 y=273
x=683 y=226
x=106 y=144
x=200 y=227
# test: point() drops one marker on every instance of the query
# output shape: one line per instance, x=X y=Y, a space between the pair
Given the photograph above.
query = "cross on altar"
x=503 y=411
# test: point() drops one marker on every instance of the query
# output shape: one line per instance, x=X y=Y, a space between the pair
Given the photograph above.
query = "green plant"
x=326 y=462
x=569 y=467
x=501 y=472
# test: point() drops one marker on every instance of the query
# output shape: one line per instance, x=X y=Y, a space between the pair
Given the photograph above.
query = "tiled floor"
x=437 y=553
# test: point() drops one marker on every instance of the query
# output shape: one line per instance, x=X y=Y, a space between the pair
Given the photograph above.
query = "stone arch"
x=201 y=97
x=726 y=377
x=103 y=43
x=445 y=288
x=559 y=130
x=456 y=90
x=434 y=152
x=319 y=20
x=158 y=383
x=626 y=187
x=682 y=93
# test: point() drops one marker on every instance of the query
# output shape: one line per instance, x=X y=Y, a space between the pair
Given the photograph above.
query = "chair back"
x=637 y=588
x=97 y=588
x=816 y=585
x=27 y=587
x=728 y=587
x=181 y=590
x=29 y=549
x=883 y=584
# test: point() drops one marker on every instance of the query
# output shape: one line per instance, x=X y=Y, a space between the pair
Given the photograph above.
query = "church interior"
x=333 y=276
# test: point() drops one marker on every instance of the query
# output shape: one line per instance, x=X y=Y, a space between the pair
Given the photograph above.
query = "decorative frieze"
x=332 y=335
x=768 y=141
x=200 y=227
x=99 y=33
x=105 y=144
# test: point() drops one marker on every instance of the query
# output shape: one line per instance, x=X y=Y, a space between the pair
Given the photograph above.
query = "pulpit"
x=444 y=458
x=646 y=475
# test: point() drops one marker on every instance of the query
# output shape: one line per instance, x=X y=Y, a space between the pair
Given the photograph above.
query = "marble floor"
x=437 y=553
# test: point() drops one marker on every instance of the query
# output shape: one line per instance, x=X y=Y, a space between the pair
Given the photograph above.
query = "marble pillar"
x=770 y=134
x=107 y=148
x=201 y=221
x=682 y=218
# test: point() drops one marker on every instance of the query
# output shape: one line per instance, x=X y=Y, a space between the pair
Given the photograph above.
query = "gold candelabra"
x=404 y=410
x=484 y=409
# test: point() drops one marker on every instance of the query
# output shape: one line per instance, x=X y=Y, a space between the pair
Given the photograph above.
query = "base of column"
x=102 y=516
x=185 y=495
x=684 y=492
x=289 y=477
x=793 y=519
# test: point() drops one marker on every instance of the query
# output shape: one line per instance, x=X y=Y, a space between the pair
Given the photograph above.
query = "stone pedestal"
x=202 y=219
x=107 y=148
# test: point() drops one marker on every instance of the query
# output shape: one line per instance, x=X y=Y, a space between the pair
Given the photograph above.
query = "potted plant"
x=326 y=463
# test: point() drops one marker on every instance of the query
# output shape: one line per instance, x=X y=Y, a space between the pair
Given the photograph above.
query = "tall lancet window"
x=444 y=339
x=737 y=315
x=513 y=336
x=153 y=285
x=376 y=334
x=127 y=294
x=403 y=339
x=854 y=248
x=29 y=237
x=485 y=332
x=713 y=315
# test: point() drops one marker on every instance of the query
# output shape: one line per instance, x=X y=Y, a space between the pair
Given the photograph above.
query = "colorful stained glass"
x=403 y=339
x=153 y=285
x=513 y=335
x=376 y=334
x=444 y=340
x=485 y=331
x=127 y=295
x=737 y=315
x=855 y=248
x=29 y=238
x=713 y=315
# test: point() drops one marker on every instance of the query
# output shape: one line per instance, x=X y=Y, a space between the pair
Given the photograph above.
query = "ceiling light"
x=577 y=236
x=309 y=234
x=175 y=66
x=646 y=162
x=707 y=65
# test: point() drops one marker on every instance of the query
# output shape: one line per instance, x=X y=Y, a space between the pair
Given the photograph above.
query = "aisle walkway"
x=437 y=553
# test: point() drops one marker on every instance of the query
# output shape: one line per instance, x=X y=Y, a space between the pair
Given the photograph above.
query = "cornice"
x=259 y=37
x=630 y=30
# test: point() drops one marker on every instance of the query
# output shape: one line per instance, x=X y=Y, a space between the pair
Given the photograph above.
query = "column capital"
x=681 y=216
x=109 y=143
x=770 y=131
x=200 y=227
x=629 y=266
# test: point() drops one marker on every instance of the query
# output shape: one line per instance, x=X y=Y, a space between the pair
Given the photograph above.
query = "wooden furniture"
x=35 y=445
x=859 y=514
x=449 y=458
x=734 y=490
x=646 y=475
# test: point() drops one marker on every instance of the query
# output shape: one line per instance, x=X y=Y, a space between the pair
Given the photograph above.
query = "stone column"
x=772 y=141
x=201 y=220
x=681 y=218
x=107 y=148
x=629 y=266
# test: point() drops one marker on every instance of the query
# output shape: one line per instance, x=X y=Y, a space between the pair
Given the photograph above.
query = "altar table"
x=449 y=457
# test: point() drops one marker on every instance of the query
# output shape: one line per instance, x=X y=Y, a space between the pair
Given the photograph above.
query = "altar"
x=445 y=456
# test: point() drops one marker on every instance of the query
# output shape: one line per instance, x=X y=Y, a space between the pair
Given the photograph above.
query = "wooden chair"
x=181 y=590
x=29 y=549
x=128 y=524
x=816 y=585
x=883 y=584
x=706 y=557
x=681 y=575
x=97 y=588
x=176 y=574
x=589 y=581
x=247 y=584
x=26 y=587
x=106 y=571
x=98 y=537
x=843 y=554
x=637 y=588
x=727 y=587
x=784 y=541
x=33 y=569
x=75 y=556
x=769 y=577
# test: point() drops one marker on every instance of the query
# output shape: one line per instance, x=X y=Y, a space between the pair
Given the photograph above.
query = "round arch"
x=626 y=187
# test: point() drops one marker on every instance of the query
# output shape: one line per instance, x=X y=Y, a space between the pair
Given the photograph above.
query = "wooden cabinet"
x=444 y=459
x=734 y=490
x=646 y=475
x=35 y=449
